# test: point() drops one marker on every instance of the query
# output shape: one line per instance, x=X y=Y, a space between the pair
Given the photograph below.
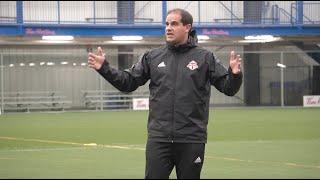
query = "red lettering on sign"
x=39 y=31
x=214 y=32
x=311 y=101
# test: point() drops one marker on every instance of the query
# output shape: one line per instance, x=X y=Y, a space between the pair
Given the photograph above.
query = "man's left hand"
x=235 y=63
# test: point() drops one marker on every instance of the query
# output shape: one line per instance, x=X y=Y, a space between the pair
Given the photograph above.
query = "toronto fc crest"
x=192 y=65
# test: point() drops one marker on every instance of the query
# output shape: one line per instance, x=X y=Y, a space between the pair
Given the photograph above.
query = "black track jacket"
x=180 y=79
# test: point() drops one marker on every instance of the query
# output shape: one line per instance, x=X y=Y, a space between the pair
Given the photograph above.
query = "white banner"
x=140 y=103
x=311 y=101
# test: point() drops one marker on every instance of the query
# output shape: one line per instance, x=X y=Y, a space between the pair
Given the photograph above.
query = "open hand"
x=96 y=60
x=235 y=63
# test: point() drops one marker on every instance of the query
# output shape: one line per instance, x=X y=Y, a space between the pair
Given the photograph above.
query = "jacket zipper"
x=176 y=67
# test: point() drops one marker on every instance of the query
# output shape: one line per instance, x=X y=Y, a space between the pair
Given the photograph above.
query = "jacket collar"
x=191 y=43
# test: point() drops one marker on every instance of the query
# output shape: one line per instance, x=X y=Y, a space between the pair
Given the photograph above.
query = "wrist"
x=235 y=71
x=103 y=65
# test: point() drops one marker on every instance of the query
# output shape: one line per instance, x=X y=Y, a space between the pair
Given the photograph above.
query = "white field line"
x=143 y=149
x=263 y=162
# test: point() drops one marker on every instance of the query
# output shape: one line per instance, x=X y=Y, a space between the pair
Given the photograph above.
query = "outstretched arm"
x=126 y=81
x=227 y=81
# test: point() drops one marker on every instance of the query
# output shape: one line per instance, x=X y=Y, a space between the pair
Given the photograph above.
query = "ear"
x=188 y=28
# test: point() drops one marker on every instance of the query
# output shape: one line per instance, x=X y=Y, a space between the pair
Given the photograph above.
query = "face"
x=176 y=32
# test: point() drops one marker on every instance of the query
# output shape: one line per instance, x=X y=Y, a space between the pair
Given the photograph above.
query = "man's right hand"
x=95 y=61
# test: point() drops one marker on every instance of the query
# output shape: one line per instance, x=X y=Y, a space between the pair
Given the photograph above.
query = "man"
x=180 y=75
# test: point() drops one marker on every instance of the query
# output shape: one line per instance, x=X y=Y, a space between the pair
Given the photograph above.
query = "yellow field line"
x=6 y=158
x=39 y=140
x=263 y=162
x=142 y=149
x=70 y=143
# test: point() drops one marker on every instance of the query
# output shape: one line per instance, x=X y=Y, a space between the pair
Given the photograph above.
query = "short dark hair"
x=186 y=17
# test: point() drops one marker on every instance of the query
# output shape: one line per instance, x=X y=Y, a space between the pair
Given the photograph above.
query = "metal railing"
x=150 y=13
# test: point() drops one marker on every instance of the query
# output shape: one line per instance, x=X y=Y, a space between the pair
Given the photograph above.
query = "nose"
x=169 y=31
x=168 y=28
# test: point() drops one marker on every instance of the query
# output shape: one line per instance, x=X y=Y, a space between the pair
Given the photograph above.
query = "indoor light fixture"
x=57 y=38
x=50 y=63
x=127 y=38
x=32 y=64
x=281 y=65
x=259 y=39
x=122 y=42
x=203 y=37
x=64 y=62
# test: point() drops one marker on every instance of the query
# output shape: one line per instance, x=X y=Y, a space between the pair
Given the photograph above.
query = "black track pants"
x=162 y=157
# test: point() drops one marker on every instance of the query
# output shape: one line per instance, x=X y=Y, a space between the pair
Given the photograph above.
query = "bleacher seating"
x=95 y=99
x=35 y=100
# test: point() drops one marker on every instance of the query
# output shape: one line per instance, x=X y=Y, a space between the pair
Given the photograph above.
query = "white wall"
x=7 y=9
x=212 y=11
x=70 y=11
x=190 y=6
x=209 y=10
x=148 y=9
x=76 y=11
x=286 y=5
x=106 y=9
x=311 y=11
x=40 y=11
x=79 y=11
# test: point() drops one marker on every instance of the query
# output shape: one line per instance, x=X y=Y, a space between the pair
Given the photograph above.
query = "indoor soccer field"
x=242 y=143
